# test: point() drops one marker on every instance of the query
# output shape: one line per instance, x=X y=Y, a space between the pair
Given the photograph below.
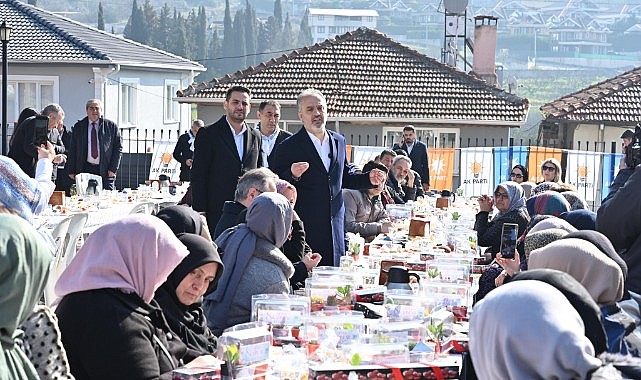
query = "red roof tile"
x=366 y=74
x=614 y=100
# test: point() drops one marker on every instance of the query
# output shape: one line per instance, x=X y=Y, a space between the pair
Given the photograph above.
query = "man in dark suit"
x=22 y=148
x=184 y=150
x=417 y=152
x=269 y=115
x=96 y=146
x=223 y=152
x=314 y=161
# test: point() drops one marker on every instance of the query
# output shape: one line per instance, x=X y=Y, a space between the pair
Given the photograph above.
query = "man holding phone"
x=33 y=133
x=96 y=146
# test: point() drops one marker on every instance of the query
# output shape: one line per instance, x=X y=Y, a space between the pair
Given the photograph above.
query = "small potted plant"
x=436 y=334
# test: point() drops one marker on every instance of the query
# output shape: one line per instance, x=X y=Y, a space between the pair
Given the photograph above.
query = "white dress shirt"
x=238 y=139
x=91 y=160
x=322 y=148
x=269 y=142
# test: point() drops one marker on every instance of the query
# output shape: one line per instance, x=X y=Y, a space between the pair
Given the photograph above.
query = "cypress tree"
x=288 y=39
x=240 y=47
x=212 y=63
x=278 y=15
x=250 y=34
x=305 y=32
x=228 y=48
x=201 y=35
x=164 y=28
x=101 y=17
x=136 y=28
x=178 y=38
x=151 y=22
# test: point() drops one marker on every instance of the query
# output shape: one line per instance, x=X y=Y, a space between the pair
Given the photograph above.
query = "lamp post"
x=5 y=35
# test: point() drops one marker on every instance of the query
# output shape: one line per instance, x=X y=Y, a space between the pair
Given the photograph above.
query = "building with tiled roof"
x=598 y=113
x=374 y=86
x=54 y=59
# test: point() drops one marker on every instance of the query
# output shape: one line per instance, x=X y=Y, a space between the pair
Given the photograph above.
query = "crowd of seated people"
x=156 y=291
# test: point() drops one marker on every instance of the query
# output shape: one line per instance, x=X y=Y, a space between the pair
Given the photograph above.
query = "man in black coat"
x=417 y=152
x=96 y=146
x=314 y=161
x=184 y=150
x=223 y=152
x=22 y=149
x=269 y=115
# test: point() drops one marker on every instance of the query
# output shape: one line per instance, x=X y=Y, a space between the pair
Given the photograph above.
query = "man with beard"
x=269 y=116
x=223 y=152
x=314 y=161
x=400 y=181
x=417 y=152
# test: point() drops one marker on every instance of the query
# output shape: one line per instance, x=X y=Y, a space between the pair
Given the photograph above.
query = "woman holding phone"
x=509 y=200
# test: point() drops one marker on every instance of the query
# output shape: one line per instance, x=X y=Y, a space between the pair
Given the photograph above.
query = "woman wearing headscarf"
x=504 y=334
x=547 y=203
x=510 y=203
x=111 y=327
x=596 y=271
x=253 y=262
x=580 y=219
x=24 y=259
x=552 y=223
x=181 y=219
x=180 y=297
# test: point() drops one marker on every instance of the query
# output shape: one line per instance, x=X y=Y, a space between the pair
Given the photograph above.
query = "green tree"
x=201 y=35
x=33 y=2
x=178 y=43
x=212 y=63
x=240 y=48
x=151 y=22
x=278 y=15
x=136 y=28
x=164 y=28
x=250 y=34
x=101 y=17
x=228 y=48
x=305 y=32
x=288 y=40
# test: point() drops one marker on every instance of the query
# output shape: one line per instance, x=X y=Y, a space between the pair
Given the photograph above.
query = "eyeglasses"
x=515 y=175
x=548 y=168
x=498 y=194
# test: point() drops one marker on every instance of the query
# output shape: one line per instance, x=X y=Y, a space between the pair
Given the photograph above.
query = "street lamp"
x=5 y=35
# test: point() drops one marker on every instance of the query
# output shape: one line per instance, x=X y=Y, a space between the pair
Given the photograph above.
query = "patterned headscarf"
x=135 y=253
x=548 y=203
x=515 y=193
x=539 y=239
x=575 y=200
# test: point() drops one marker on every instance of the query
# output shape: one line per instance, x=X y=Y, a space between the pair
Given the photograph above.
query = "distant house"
x=55 y=59
x=327 y=23
x=595 y=115
x=374 y=86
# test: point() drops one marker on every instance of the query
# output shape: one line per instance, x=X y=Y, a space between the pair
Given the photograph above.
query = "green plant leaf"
x=356 y=359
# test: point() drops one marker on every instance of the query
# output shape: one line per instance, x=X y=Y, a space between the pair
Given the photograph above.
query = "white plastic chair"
x=76 y=226
x=82 y=180
x=59 y=235
x=144 y=208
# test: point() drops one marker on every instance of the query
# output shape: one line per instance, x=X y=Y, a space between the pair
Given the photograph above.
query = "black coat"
x=112 y=335
x=110 y=147
x=420 y=163
x=320 y=199
x=22 y=150
x=620 y=220
x=182 y=153
x=217 y=167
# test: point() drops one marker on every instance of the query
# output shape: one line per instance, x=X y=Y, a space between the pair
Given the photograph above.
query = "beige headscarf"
x=598 y=273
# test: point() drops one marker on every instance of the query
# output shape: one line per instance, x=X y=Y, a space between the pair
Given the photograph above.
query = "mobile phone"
x=508 y=240
x=41 y=130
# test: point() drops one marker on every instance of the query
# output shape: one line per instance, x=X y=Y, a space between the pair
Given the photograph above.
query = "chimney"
x=484 y=61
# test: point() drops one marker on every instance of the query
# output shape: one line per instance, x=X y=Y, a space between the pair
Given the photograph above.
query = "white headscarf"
x=529 y=330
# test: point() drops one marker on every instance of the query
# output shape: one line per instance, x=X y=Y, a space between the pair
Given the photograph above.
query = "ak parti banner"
x=441 y=162
x=537 y=155
x=477 y=166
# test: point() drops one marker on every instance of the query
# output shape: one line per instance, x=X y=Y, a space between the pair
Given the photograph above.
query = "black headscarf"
x=578 y=297
x=181 y=219
x=189 y=322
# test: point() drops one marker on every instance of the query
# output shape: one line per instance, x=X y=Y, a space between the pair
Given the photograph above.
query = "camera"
x=633 y=150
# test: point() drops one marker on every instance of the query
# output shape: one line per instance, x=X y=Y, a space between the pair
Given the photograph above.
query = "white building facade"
x=328 y=23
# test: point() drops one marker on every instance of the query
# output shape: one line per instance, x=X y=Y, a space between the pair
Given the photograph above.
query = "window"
x=29 y=91
x=321 y=17
x=370 y=18
x=332 y=29
x=320 y=29
x=171 y=106
x=128 y=102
